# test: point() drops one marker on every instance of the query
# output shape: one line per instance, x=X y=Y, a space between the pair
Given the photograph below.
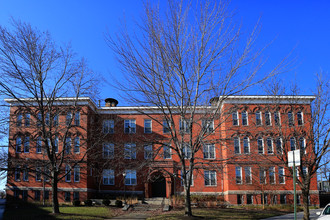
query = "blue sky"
x=300 y=25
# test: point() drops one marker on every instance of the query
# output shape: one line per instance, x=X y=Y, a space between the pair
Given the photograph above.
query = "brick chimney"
x=110 y=102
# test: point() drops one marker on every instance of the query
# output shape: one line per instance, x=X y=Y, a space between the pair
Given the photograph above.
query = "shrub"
x=119 y=203
x=106 y=202
x=76 y=202
x=88 y=202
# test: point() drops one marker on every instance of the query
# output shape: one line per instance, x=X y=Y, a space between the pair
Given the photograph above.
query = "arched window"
x=246 y=145
x=260 y=145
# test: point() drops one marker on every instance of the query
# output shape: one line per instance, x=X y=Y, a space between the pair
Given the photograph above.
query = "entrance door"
x=158 y=186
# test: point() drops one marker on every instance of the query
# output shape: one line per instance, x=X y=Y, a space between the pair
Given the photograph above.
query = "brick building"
x=120 y=152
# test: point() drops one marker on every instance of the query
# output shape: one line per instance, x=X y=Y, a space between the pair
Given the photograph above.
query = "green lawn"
x=229 y=213
x=34 y=212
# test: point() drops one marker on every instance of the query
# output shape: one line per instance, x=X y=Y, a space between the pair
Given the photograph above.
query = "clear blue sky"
x=300 y=24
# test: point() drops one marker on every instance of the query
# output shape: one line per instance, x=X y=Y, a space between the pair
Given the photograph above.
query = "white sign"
x=294 y=156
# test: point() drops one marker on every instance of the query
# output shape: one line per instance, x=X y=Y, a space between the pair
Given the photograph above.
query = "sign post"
x=293 y=160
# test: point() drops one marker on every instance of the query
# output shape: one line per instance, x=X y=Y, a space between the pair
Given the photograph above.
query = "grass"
x=228 y=213
x=34 y=212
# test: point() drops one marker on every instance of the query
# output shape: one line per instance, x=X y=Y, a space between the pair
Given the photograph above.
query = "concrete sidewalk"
x=131 y=216
x=300 y=215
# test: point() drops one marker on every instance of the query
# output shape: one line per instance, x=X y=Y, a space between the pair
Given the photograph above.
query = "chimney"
x=110 y=102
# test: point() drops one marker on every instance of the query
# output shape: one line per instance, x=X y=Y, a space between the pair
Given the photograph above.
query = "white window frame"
x=239 y=145
x=260 y=118
x=281 y=145
x=291 y=119
x=130 y=151
x=68 y=118
x=235 y=118
x=262 y=145
x=188 y=173
x=129 y=126
x=272 y=177
x=108 y=150
x=245 y=118
x=184 y=125
x=300 y=121
x=238 y=175
x=166 y=127
x=293 y=143
x=208 y=151
x=76 y=173
x=108 y=177
x=270 y=148
x=279 y=118
x=39 y=145
x=248 y=178
x=108 y=126
x=262 y=174
x=68 y=173
x=281 y=175
x=208 y=175
x=248 y=145
x=268 y=118
x=208 y=125
x=187 y=152
x=166 y=148
x=147 y=122
x=303 y=142
x=148 y=151
x=130 y=178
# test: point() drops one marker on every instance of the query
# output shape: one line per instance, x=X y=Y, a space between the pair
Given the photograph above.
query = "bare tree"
x=36 y=76
x=178 y=61
x=305 y=129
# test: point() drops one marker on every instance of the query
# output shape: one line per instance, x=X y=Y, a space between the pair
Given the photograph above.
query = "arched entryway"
x=158 y=185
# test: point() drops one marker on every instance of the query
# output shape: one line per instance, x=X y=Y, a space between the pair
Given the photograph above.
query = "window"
x=187 y=178
x=249 y=199
x=38 y=174
x=238 y=171
x=76 y=148
x=239 y=199
x=68 y=173
x=18 y=144
x=24 y=195
x=272 y=175
x=186 y=151
x=244 y=118
x=130 y=151
x=67 y=146
x=237 y=148
x=277 y=118
x=302 y=145
x=147 y=126
x=290 y=118
x=27 y=120
x=46 y=173
x=292 y=143
x=55 y=120
x=77 y=119
x=75 y=195
x=300 y=118
x=270 y=145
x=108 y=150
x=68 y=118
x=56 y=144
x=184 y=125
x=130 y=178
x=281 y=175
x=235 y=118
x=167 y=152
x=108 y=126
x=47 y=120
x=274 y=199
x=210 y=178
x=25 y=174
x=262 y=176
x=108 y=177
x=304 y=171
x=258 y=118
x=260 y=142
x=298 y=199
x=37 y=195
x=46 y=194
x=283 y=199
x=248 y=176
x=246 y=145
x=26 y=144
x=209 y=151
x=39 y=119
x=208 y=126
x=67 y=196
x=268 y=119
x=129 y=126
x=166 y=126
x=148 y=154
x=279 y=147
x=19 y=120
x=16 y=193
x=17 y=173
x=76 y=173
x=38 y=145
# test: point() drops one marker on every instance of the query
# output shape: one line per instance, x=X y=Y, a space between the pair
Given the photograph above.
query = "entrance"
x=158 y=186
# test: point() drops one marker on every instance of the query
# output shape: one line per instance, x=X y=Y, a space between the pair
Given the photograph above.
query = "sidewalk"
x=131 y=216
x=299 y=215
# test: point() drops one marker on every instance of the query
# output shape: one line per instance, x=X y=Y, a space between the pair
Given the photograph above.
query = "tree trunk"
x=55 y=204
x=305 y=194
x=187 y=208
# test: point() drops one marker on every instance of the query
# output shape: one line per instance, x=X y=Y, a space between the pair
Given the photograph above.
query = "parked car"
x=325 y=214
